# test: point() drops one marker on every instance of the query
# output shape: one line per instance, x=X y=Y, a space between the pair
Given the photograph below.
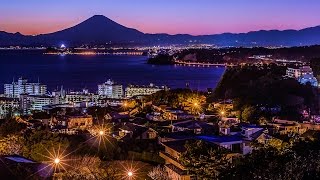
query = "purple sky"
x=161 y=16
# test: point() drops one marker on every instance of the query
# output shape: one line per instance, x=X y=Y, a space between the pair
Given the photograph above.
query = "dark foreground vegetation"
x=291 y=159
x=264 y=92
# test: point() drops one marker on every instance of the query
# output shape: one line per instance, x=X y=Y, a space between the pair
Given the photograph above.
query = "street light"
x=222 y=112
x=101 y=133
x=56 y=161
x=130 y=173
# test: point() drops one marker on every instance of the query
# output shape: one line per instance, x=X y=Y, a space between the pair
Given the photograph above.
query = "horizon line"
x=172 y=34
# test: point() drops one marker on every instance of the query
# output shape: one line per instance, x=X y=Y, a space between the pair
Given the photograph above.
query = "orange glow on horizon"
x=36 y=27
x=45 y=25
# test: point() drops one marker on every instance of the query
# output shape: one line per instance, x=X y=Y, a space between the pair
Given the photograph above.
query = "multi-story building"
x=30 y=103
x=133 y=90
x=285 y=127
x=171 y=155
x=104 y=102
x=110 y=89
x=8 y=105
x=303 y=74
x=298 y=72
x=80 y=96
x=23 y=87
x=60 y=95
x=75 y=98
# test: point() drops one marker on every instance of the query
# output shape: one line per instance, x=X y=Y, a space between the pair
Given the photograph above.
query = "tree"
x=161 y=59
x=300 y=161
x=262 y=120
x=11 y=126
x=158 y=173
x=265 y=89
x=277 y=144
x=248 y=114
x=315 y=65
x=39 y=144
x=204 y=160
x=87 y=167
x=40 y=115
x=10 y=145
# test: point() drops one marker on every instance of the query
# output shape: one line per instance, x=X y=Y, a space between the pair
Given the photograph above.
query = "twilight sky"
x=161 y=16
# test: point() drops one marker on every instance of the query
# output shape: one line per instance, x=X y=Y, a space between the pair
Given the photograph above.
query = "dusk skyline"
x=173 y=17
x=160 y=89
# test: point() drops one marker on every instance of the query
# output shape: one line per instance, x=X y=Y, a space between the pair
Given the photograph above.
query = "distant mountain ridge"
x=100 y=30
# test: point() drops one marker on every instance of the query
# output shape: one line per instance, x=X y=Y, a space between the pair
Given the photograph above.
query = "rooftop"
x=18 y=167
x=221 y=139
x=178 y=145
x=192 y=124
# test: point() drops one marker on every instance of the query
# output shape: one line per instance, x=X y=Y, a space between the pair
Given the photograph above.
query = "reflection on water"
x=76 y=72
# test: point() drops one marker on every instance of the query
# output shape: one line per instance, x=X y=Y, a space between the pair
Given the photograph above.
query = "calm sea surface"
x=75 y=72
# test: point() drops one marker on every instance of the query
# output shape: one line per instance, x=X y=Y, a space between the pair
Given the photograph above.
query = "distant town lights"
x=62 y=46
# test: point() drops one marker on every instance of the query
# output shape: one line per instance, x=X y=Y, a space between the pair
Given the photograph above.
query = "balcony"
x=171 y=160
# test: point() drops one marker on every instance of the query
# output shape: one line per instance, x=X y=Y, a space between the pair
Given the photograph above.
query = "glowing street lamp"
x=195 y=104
x=56 y=161
x=130 y=173
x=222 y=113
x=101 y=133
x=125 y=105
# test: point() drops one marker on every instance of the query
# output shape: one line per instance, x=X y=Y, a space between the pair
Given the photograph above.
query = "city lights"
x=175 y=90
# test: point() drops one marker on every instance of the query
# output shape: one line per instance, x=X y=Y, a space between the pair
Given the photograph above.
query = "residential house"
x=197 y=127
x=19 y=167
x=285 y=127
x=171 y=154
x=72 y=122
x=135 y=131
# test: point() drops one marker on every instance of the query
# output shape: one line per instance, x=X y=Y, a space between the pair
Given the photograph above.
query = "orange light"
x=101 y=133
x=56 y=160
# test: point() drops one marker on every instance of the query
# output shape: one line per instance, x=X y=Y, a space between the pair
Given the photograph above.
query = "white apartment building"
x=110 y=90
x=303 y=74
x=22 y=86
x=133 y=90
x=75 y=98
x=7 y=104
x=30 y=103
x=298 y=72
